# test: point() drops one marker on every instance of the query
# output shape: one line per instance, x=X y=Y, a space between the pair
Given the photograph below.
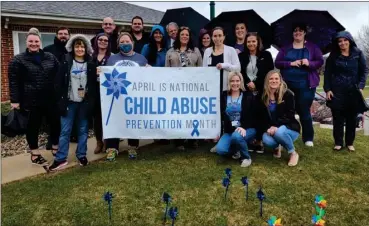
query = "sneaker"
x=259 y=149
x=245 y=162
x=213 y=150
x=251 y=146
x=57 y=165
x=278 y=152
x=132 y=153
x=111 y=154
x=83 y=161
x=236 y=155
x=309 y=144
x=294 y=159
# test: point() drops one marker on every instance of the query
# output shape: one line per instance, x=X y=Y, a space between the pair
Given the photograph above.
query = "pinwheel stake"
x=245 y=183
x=173 y=213
x=260 y=195
x=166 y=198
x=228 y=172
x=108 y=197
x=226 y=182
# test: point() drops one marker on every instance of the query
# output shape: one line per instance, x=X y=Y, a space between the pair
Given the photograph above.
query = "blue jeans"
x=223 y=146
x=78 y=111
x=283 y=136
x=304 y=98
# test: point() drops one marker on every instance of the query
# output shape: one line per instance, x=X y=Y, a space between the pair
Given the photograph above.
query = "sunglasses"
x=106 y=24
x=103 y=40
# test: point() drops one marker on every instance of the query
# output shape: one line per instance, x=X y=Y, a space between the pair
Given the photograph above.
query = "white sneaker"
x=246 y=163
x=213 y=150
x=309 y=144
x=236 y=155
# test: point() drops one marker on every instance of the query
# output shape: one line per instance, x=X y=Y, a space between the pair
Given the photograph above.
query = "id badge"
x=81 y=92
x=234 y=123
x=209 y=61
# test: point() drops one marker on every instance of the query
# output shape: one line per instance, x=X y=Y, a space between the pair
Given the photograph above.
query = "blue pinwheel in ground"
x=116 y=84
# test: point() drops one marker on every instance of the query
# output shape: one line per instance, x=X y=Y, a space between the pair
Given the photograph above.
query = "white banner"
x=160 y=103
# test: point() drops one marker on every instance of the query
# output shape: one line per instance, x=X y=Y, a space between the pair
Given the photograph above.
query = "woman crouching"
x=237 y=116
x=277 y=119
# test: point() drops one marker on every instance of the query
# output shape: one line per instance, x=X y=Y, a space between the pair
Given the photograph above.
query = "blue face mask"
x=125 y=48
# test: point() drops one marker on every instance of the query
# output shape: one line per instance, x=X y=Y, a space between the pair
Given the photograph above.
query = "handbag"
x=361 y=105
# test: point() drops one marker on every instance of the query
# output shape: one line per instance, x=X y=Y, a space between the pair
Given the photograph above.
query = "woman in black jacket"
x=31 y=76
x=255 y=63
x=237 y=116
x=76 y=90
x=345 y=74
x=277 y=119
x=100 y=56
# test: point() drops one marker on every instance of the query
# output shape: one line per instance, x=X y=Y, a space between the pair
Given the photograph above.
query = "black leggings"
x=114 y=143
x=35 y=116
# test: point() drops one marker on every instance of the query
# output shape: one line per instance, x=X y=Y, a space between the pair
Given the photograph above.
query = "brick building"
x=81 y=17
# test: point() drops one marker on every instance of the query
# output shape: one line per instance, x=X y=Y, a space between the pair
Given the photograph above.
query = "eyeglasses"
x=106 y=24
x=103 y=40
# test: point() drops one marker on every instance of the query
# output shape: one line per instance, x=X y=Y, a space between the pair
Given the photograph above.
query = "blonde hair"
x=235 y=73
x=279 y=92
x=33 y=31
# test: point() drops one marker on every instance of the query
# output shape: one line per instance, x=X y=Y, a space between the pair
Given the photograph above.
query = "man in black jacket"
x=60 y=40
x=139 y=36
x=59 y=51
x=109 y=27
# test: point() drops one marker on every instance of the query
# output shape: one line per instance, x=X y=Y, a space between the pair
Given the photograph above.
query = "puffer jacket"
x=31 y=82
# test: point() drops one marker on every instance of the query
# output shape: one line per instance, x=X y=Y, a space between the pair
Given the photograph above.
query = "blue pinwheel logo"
x=116 y=84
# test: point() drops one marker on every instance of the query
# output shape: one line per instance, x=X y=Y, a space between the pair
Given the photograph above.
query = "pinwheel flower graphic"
x=116 y=84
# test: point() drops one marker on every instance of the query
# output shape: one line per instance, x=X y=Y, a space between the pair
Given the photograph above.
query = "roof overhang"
x=39 y=16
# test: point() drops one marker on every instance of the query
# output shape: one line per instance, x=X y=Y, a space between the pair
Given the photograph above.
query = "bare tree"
x=363 y=41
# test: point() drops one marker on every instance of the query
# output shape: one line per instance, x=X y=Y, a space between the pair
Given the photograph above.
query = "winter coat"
x=173 y=58
x=57 y=49
x=160 y=56
x=63 y=77
x=264 y=64
x=31 y=82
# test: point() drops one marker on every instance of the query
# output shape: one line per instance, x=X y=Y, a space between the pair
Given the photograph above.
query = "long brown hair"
x=279 y=92
x=259 y=47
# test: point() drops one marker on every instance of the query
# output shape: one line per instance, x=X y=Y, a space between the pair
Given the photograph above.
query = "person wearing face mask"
x=299 y=63
x=276 y=117
x=140 y=37
x=184 y=54
x=240 y=31
x=204 y=41
x=109 y=28
x=237 y=115
x=75 y=86
x=129 y=58
x=31 y=75
x=155 y=51
x=100 y=56
x=345 y=75
x=255 y=64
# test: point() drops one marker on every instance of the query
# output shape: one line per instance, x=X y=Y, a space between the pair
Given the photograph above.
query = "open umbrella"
x=322 y=26
x=253 y=21
x=186 y=17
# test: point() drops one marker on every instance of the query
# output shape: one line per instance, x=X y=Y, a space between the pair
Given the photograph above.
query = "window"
x=19 y=40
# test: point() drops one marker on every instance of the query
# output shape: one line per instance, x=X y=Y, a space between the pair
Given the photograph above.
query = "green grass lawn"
x=193 y=178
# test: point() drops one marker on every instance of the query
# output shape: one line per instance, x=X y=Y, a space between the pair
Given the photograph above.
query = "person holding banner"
x=100 y=55
x=75 y=86
x=276 y=113
x=126 y=57
x=184 y=54
x=238 y=117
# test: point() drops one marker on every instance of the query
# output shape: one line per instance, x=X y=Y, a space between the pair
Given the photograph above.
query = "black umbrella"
x=322 y=26
x=253 y=21
x=186 y=17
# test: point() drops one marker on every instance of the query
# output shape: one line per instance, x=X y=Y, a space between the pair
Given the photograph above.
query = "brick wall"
x=7 y=50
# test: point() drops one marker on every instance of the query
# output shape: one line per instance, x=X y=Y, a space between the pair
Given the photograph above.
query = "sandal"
x=337 y=148
x=294 y=159
x=39 y=160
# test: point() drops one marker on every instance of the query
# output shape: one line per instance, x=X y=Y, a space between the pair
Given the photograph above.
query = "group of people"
x=258 y=102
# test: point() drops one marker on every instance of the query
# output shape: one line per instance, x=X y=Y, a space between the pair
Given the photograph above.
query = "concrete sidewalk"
x=19 y=167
